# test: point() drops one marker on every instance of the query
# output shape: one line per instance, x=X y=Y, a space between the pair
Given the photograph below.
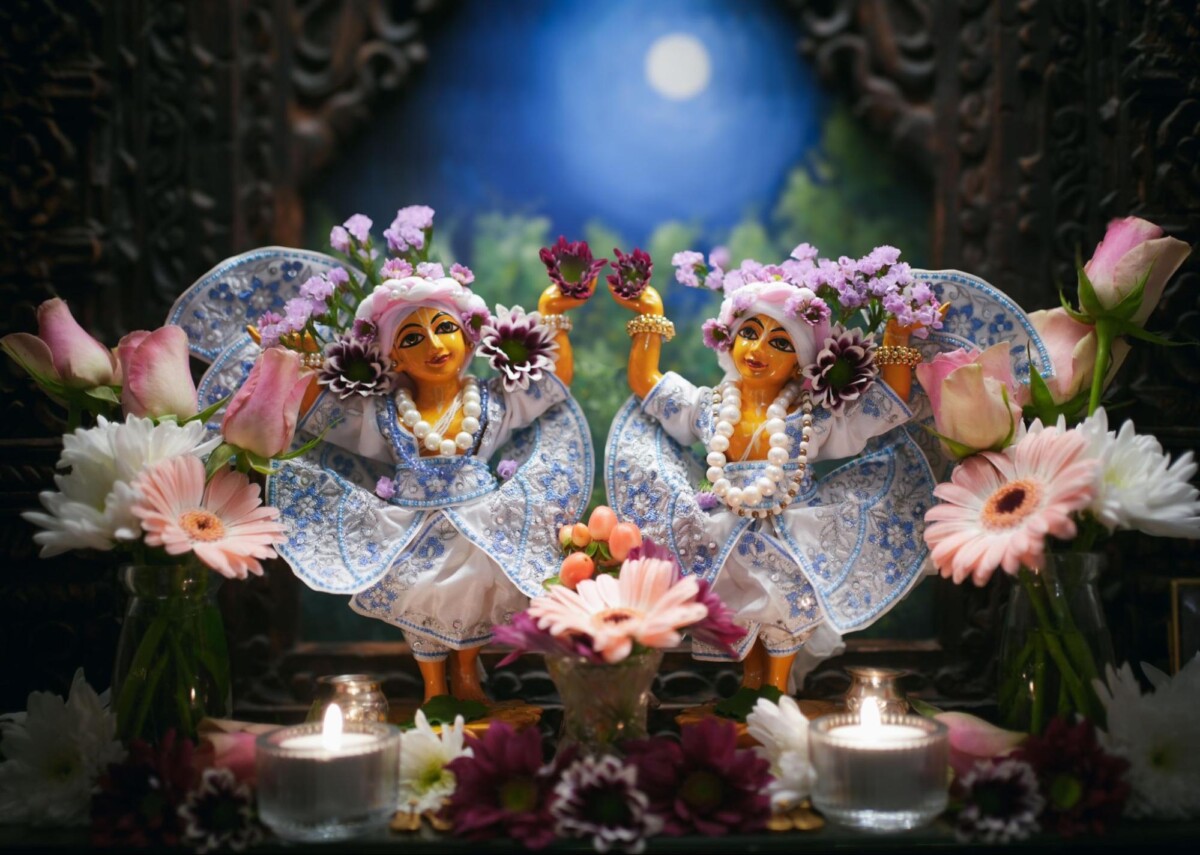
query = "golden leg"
x=753 y=666
x=778 y=669
x=464 y=678
x=434 y=674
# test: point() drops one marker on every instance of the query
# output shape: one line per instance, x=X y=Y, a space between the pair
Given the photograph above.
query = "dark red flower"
x=504 y=789
x=1084 y=787
x=703 y=783
x=523 y=636
x=138 y=801
x=631 y=273
x=572 y=267
x=718 y=629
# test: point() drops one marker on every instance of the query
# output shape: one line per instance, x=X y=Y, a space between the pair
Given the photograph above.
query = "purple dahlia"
x=572 y=267
x=599 y=798
x=354 y=366
x=518 y=345
x=1000 y=802
x=631 y=273
x=844 y=370
x=220 y=813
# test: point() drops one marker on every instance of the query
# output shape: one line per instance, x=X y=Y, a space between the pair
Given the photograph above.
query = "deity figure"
x=801 y=557
x=397 y=505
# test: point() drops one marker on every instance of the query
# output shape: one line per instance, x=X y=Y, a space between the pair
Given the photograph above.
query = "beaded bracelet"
x=657 y=324
x=894 y=354
x=557 y=322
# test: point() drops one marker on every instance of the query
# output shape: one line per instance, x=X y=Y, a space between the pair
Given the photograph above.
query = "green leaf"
x=926 y=709
x=1065 y=792
x=592 y=548
x=1072 y=311
x=258 y=463
x=958 y=449
x=221 y=456
x=208 y=412
x=602 y=551
x=1132 y=301
x=105 y=394
x=741 y=703
x=1039 y=392
x=1134 y=331
x=308 y=446
x=1087 y=297
x=551 y=582
x=443 y=709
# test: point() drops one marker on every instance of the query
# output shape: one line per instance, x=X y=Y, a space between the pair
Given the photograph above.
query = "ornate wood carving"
x=145 y=141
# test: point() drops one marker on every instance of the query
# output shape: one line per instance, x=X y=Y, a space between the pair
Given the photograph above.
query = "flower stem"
x=1104 y=340
x=1037 y=595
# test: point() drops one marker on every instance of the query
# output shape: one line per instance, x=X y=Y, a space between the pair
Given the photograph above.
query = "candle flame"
x=331 y=729
x=869 y=715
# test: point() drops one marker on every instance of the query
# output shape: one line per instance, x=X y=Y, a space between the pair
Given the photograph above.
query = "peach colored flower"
x=1133 y=248
x=224 y=523
x=646 y=604
x=998 y=507
x=157 y=372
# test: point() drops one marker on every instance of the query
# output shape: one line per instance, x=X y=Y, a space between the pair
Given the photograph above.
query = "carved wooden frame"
x=146 y=141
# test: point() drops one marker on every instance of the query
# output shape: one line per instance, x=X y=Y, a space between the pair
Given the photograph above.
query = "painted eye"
x=411 y=340
x=446 y=328
x=781 y=343
x=749 y=333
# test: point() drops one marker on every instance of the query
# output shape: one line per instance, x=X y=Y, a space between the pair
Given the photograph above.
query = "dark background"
x=142 y=142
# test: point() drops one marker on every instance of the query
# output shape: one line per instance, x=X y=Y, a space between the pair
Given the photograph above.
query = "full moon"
x=677 y=66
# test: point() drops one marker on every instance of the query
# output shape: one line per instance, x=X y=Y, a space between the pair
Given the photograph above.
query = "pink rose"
x=1131 y=247
x=972 y=739
x=158 y=374
x=974 y=397
x=1072 y=349
x=262 y=415
x=62 y=352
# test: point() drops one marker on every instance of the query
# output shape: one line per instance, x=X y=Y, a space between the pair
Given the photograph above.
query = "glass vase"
x=603 y=705
x=172 y=665
x=1055 y=642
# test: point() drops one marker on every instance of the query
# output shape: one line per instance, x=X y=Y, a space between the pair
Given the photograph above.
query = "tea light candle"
x=879 y=772
x=328 y=781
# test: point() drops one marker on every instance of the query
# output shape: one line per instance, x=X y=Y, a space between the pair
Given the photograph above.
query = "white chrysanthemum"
x=1139 y=486
x=92 y=508
x=424 y=780
x=54 y=753
x=1158 y=734
x=782 y=733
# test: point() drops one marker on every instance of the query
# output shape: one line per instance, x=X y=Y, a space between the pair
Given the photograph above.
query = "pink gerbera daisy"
x=647 y=603
x=224 y=523
x=998 y=507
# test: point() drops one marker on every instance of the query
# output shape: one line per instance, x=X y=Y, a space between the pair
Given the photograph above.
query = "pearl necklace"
x=431 y=436
x=727 y=411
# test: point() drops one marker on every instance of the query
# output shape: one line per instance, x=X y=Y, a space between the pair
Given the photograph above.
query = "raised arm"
x=646 y=337
x=552 y=306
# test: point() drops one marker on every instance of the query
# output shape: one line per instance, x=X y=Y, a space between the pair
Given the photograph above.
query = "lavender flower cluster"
x=878 y=285
x=314 y=304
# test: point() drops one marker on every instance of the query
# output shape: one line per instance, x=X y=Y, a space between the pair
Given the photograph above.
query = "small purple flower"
x=707 y=500
x=688 y=265
x=506 y=468
x=719 y=257
x=339 y=239
x=572 y=267
x=732 y=281
x=318 y=289
x=715 y=280
x=363 y=330
x=396 y=268
x=742 y=300
x=268 y=329
x=631 y=273
x=473 y=322
x=431 y=270
x=339 y=276
x=716 y=335
x=360 y=227
x=844 y=370
x=461 y=274
x=354 y=366
x=385 y=488
x=597 y=797
x=519 y=346
x=417 y=216
x=297 y=313
x=805 y=252
x=409 y=231
x=806 y=306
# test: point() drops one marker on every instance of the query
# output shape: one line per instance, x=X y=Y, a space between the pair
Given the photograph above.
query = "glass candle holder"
x=310 y=789
x=880 y=683
x=885 y=776
x=359 y=695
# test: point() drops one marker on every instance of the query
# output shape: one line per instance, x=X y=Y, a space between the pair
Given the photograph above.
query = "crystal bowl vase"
x=603 y=704
x=1055 y=642
x=172 y=666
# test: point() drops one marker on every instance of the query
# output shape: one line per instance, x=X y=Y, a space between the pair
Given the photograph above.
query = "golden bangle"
x=657 y=324
x=557 y=322
x=895 y=354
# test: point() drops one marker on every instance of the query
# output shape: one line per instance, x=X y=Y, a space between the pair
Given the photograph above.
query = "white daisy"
x=424 y=780
x=92 y=509
x=54 y=753
x=782 y=733
x=1159 y=735
x=1139 y=486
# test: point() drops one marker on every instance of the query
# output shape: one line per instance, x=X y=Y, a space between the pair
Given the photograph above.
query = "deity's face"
x=763 y=351
x=429 y=345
